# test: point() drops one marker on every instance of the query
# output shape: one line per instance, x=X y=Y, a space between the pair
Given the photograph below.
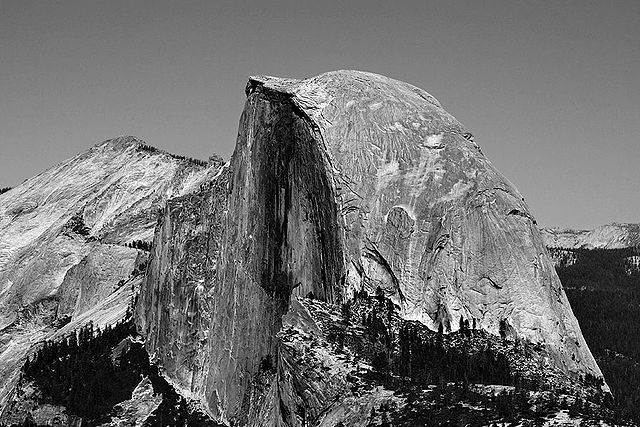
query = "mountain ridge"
x=616 y=235
x=58 y=224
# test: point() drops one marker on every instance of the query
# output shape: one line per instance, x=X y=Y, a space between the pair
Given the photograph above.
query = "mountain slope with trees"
x=603 y=286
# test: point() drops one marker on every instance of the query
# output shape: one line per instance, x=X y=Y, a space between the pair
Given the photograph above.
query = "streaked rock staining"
x=341 y=185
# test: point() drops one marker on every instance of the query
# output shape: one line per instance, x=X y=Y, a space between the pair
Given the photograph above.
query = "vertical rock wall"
x=342 y=182
x=262 y=232
x=173 y=310
x=279 y=238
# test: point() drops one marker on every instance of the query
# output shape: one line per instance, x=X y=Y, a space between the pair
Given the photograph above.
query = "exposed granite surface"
x=62 y=237
x=344 y=182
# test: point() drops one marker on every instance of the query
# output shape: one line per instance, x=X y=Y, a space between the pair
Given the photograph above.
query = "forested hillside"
x=92 y=372
x=603 y=286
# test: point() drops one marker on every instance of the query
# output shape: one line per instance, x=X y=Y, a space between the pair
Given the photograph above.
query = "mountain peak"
x=342 y=185
x=351 y=82
x=120 y=142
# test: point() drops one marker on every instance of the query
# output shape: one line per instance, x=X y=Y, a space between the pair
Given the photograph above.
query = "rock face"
x=342 y=183
x=62 y=237
x=611 y=236
x=92 y=280
x=135 y=411
x=108 y=194
x=172 y=308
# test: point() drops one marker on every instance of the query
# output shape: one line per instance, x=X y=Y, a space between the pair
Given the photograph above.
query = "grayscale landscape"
x=340 y=250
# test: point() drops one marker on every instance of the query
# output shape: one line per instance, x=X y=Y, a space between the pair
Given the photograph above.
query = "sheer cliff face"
x=339 y=183
x=172 y=308
x=234 y=253
x=424 y=214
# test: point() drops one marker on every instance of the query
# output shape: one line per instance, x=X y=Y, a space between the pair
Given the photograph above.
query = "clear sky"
x=551 y=89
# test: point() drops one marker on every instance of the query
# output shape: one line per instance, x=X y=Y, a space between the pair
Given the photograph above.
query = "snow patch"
x=434 y=141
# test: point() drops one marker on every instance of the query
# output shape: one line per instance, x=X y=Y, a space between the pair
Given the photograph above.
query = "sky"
x=550 y=89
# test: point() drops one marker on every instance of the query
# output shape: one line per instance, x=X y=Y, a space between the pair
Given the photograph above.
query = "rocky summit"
x=358 y=261
x=341 y=185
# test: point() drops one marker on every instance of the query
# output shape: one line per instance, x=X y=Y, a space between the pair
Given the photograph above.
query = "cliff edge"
x=344 y=184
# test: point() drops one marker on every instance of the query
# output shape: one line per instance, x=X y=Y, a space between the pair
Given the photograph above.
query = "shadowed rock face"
x=280 y=238
x=172 y=309
x=339 y=183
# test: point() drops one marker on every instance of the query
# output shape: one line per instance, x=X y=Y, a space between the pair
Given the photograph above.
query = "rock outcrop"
x=344 y=183
x=610 y=236
x=134 y=412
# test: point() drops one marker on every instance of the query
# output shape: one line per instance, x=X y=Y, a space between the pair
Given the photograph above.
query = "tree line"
x=406 y=356
x=92 y=370
x=77 y=372
x=407 y=350
x=152 y=149
x=139 y=244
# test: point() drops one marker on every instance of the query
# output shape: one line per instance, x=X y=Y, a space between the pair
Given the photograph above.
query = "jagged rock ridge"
x=342 y=183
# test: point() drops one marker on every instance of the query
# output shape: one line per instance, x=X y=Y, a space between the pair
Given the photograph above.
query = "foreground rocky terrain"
x=358 y=261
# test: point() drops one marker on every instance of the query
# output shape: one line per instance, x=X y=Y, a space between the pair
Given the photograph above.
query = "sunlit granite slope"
x=62 y=241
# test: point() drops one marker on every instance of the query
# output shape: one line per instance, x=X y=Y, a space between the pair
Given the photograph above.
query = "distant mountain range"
x=610 y=236
x=600 y=272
